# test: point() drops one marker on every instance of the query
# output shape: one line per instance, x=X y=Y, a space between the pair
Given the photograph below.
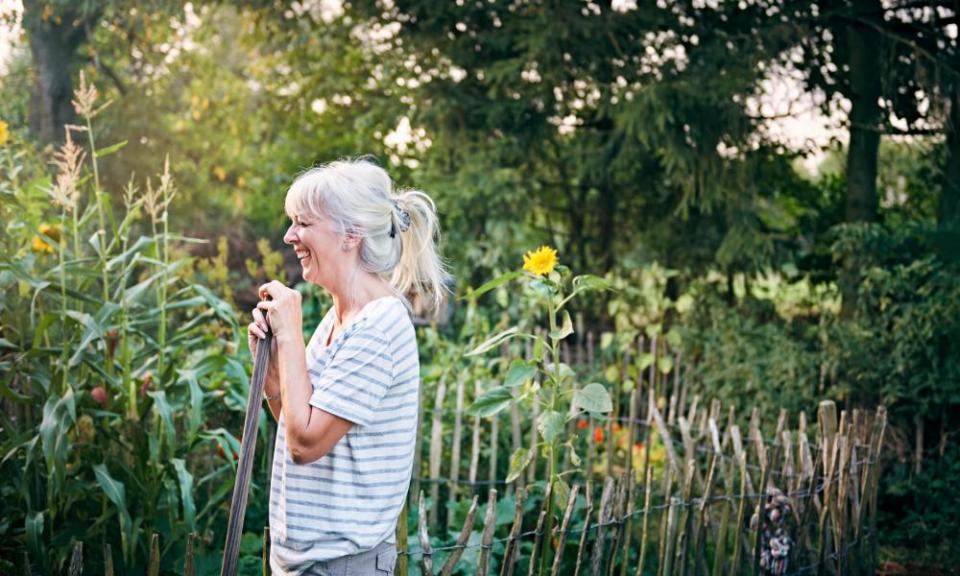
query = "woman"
x=346 y=402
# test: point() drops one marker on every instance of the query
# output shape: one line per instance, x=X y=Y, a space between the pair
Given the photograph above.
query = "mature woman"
x=346 y=402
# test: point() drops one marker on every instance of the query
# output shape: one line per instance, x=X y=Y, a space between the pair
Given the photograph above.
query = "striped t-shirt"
x=349 y=500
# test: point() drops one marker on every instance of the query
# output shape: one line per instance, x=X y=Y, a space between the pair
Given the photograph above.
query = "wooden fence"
x=704 y=497
x=704 y=512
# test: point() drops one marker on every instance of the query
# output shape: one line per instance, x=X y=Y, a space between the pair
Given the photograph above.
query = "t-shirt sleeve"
x=356 y=378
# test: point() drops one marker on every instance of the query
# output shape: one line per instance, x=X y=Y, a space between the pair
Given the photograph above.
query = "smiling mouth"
x=302 y=255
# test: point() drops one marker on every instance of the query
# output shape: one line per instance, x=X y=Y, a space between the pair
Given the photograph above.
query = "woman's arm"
x=311 y=432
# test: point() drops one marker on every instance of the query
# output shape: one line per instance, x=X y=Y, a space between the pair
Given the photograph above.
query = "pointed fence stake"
x=588 y=490
x=603 y=517
x=564 y=527
x=462 y=539
x=512 y=551
x=426 y=554
x=76 y=560
x=487 y=536
x=153 y=568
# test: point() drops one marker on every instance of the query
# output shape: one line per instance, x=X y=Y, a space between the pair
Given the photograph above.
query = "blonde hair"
x=399 y=232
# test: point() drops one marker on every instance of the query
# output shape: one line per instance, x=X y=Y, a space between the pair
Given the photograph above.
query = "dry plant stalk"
x=86 y=98
x=68 y=160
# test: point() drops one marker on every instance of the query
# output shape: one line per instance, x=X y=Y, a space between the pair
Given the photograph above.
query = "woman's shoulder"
x=385 y=314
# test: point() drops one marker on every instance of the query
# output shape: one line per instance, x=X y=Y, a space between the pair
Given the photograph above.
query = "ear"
x=350 y=241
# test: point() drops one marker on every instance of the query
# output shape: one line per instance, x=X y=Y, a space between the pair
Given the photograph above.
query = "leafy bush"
x=119 y=375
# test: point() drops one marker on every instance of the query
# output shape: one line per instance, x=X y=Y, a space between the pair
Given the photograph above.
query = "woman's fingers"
x=260 y=319
x=255 y=330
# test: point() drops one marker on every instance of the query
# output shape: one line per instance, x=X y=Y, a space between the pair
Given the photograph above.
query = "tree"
x=55 y=31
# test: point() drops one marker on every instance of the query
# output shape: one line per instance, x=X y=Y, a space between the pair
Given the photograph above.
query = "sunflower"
x=540 y=262
x=4 y=133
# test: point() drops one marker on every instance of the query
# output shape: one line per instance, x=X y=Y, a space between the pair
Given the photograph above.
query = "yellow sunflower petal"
x=541 y=261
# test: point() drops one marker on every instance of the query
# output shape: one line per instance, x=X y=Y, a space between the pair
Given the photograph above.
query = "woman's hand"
x=282 y=312
x=257 y=331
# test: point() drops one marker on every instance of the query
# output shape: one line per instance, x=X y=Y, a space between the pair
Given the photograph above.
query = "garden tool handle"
x=241 y=486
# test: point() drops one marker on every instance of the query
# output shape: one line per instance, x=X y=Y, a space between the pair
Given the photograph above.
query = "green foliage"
x=114 y=365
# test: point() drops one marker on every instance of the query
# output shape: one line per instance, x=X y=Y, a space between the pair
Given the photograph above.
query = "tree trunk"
x=54 y=38
x=949 y=213
x=863 y=49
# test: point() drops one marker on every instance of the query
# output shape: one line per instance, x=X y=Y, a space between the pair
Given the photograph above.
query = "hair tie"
x=404 y=218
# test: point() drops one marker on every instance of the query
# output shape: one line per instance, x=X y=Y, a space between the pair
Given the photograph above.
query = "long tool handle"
x=241 y=487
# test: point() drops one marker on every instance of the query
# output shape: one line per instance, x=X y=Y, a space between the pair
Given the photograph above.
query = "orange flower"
x=616 y=428
x=582 y=424
x=598 y=435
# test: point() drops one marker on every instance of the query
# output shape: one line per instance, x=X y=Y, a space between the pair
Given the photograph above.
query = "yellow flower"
x=4 y=133
x=541 y=262
x=41 y=244
x=51 y=230
x=220 y=173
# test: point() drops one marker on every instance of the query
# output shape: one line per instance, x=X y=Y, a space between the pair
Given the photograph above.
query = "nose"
x=291 y=236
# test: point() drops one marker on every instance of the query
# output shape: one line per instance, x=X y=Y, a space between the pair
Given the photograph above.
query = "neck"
x=353 y=294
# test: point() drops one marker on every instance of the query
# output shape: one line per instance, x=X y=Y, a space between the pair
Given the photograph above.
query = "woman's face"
x=317 y=245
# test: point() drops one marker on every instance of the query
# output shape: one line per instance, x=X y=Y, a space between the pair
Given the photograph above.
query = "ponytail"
x=420 y=269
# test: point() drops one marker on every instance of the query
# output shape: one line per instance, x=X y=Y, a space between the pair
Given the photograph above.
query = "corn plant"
x=118 y=374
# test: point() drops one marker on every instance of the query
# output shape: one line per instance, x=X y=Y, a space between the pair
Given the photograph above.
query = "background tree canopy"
x=627 y=134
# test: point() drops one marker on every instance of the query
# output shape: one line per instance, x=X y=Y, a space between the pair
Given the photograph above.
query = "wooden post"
x=538 y=536
x=564 y=527
x=586 y=528
x=590 y=351
x=487 y=536
x=876 y=440
x=76 y=560
x=827 y=413
x=153 y=567
x=741 y=513
x=568 y=360
x=108 y=558
x=701 y=520
x=426 y=554
x=619 y=514
x=512 y=551
x=685 y=517
x=653 y=367
x=760 y=510
x=720 y=554
x=402 y=566
x=494 y=446
x=475 y=440
x=532 y=468
x=417 y=455
x=462 y=539
x=644 y=531
x=578 y=322
x=662 y=546
x=436 y=448
x=603 y=516
x=631 y=482
x=452 y=487
x=666 y=569
x=516 y=437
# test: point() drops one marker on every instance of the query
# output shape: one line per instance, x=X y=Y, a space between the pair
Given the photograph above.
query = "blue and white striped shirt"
x=349 y=500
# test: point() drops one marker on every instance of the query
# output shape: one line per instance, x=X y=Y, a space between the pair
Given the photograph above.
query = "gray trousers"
x=378 y=561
